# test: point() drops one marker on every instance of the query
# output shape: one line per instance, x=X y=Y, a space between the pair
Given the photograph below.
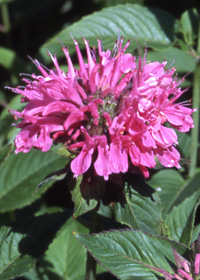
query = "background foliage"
x=37 y=229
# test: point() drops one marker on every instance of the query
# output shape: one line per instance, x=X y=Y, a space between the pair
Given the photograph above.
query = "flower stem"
x=91 y=263
x=196 y=99
x=6 y=21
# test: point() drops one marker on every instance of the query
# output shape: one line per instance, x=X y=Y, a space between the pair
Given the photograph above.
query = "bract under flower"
x=185 y=270
x=111 y=112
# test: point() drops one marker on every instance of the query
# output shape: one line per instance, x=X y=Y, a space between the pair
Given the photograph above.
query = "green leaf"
x=129 y=254
x=153 y=26
x=7 y=131
x=189 y=25
x=2 y=97
x=60 y=149
x=167 y=183
x=172 y=188
x=180 y=220
x=22 y=244
x=190 y=187
x=10 y=61
x=35 y=274
x=9 y=240
x=15 y=104
x=4 y=153
x=107 y=3
x=139 y=212
x=6 y=1
x=18 y=267
x=196 y=233
x=66 y=252
x=81 y=206
x=182 y=61
x=184 y=141
x=21 y=174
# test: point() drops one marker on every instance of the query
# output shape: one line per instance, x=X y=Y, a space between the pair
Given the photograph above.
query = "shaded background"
x=30 y=24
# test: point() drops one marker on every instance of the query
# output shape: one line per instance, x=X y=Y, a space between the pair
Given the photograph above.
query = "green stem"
x=6 y=21
x=91 y=263
x=196 y=99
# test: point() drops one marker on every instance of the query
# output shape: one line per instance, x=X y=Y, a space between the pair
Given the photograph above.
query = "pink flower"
x=111 y=113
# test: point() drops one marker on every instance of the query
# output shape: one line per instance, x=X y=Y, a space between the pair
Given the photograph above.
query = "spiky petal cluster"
x=110 y=112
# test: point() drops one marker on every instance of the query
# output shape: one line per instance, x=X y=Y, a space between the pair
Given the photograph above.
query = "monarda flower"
x=111 y=112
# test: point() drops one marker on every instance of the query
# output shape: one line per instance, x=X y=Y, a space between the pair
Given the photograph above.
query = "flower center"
x=104 y=110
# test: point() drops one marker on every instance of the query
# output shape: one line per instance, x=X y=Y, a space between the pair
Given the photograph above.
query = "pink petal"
x=74 y=118
x=147 y=140
x=165 y=136
x=83 y=161
x=169 y=157
x=58 y=107
x=197 y=264
x=33 y=136
x=135 y=155
x=101 y=165
x=184 y=274
x=118 y=158
x=147 y=158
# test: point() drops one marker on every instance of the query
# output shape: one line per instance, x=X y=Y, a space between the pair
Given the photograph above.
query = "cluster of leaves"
x=36 y=234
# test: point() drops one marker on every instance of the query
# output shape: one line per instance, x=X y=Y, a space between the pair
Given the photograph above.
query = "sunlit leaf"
x=60 y=149
x=4 y=153
x=180 y=221
x=35 y=273
x=183 y=62
x=184 y=140
x=129 y=254
x=139 y=212
x=22 y=173
x=153 y=26
x=196 y=233
x=65 y=252
x=172 y=188
x=189 y=25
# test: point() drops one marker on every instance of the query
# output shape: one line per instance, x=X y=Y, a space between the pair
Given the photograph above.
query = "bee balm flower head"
x=111 y=112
